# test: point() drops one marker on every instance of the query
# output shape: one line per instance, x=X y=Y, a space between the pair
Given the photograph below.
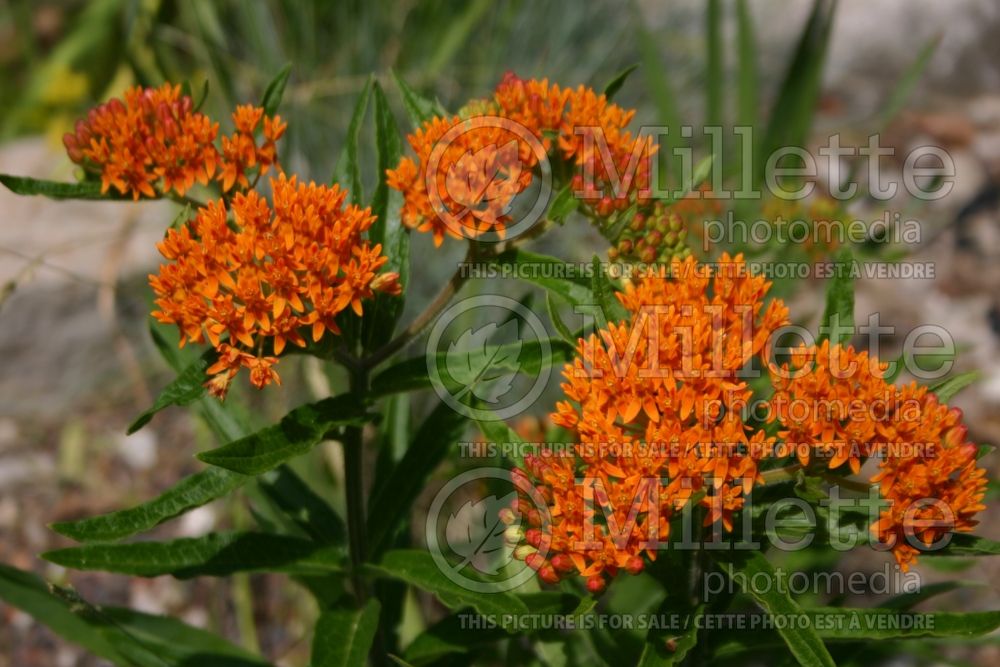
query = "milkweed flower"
x=657 y=397
x=469 y=172
x=929 y=475
x=468 y=169
x=153 y=142
x=835 y=402
x=831 y=402
x=273 y=275
x=240 y=151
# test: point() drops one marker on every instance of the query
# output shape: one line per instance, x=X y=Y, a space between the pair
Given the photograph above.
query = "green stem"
x=354 y=490
x=424 y=319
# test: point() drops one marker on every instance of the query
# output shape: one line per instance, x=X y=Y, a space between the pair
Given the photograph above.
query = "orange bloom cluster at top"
x=469 y=168
x=659 y=399
x=834 y=401
x=472 y=170
x=154 y=142
x=279 y=270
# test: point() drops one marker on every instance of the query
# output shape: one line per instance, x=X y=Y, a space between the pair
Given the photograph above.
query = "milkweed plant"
x=698 y=435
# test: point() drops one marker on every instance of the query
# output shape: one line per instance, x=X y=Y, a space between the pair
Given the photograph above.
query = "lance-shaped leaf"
x=218 y=554
x=305 y=507
x=22 y=185
x=946 y=389
x=191 y=492
x=554 y=275
x=388 y=229
x=187 y=388
x=616 y=83
x=604 y=293
x=392 y=499
x=123 y=636
x=275 y=91
x=531 y=357
x=418 y=107
x=348 y=170
x=298 y=432
x=343 y=637
x=745 y=568
x=418 y=569
x=473 y=363
x=838 y=317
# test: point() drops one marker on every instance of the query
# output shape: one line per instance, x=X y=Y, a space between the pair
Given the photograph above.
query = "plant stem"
x=354 y=490
x=442 y=299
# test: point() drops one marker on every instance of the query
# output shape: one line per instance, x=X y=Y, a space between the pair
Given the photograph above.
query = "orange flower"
x=240 y=151
x=830 y=401
x=928 y=473
x=658 y=398
x=834 y=401
x=153 y=138
x=154 y=142
x=468 y=169
x=268 y=278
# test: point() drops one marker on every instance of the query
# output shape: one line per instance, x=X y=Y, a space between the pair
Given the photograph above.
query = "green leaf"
x=348 y=171
x=904 y=87
x=804 y=643
x=946 y=389
x=418 y=569
x=297 y=432
x=570 y=281
x=388 y=228
x=392 y=499
x=563 y=204
x=839 y=312
x=967 y=545
x=604 y=294
x=795 y=105
x=881 y=623
x=411 y=374
x=304 y=506
x=905 y=601
x=186 y=389
x=713 y=64
x=748 y=81
x=275 y=91
x=419 y=108
x=616 y=83
x=218 y=554
x=123 y=636
x=453 y=634
x=21 y=185
x=557 y=321
x=343 y=637
x=191 y=492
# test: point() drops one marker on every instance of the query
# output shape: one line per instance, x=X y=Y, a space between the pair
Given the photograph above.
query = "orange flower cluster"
x=469 y=168
x=251 y=286
x=834 y=401
x=658 y=399
x=472 y=169
x=154 y=142
x=943 y=467
x=830 y=401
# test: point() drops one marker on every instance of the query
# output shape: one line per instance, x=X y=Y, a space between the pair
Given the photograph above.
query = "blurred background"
x=77 y=360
